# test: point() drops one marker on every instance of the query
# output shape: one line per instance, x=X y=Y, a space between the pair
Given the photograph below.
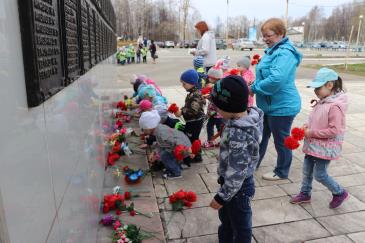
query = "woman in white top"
x=206 y=46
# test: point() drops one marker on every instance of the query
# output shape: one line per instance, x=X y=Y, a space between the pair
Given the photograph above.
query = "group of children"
x=239 y=126
x=129 y=54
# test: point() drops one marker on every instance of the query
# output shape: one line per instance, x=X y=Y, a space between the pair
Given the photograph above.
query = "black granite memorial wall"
x=61 y=40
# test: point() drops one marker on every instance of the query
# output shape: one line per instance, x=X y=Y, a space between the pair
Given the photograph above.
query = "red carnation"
x=256 y=57
x=180 y=152
x=116 y=148
x=291 y=143
x=180 y=195
x=106 y=209
x=188 y=204
x=191 y=196
x=127 y=195
x=196 y=147
x=234 y=71
x=172 y=198
x=119 y=124
x=254 y=62
x=132 y=213
x=121 y=105
x=125 y=168
x=206 y=90
x=173 y=108
x=118 y=212
x=112 y=158
x=297 y=133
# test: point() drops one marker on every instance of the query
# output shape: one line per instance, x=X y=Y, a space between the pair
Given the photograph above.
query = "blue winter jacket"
x=276 y=93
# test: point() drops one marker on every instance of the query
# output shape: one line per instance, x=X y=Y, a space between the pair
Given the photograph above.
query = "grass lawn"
x=356 y=69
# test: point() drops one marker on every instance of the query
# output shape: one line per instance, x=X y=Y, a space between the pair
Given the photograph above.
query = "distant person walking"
x=206 y=46
x=153 y=51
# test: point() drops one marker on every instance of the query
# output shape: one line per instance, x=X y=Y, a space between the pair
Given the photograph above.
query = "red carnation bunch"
x=196 y=147
x=206 y=90
x=118 y=124
x=112 y=202
x=121 y=105
x=173 y=108
x=180 y=152
x=256 y=59
x=182 y=198
x=292 y=142
x=112 y=158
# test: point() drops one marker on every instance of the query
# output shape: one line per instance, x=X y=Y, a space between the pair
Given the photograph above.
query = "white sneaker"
x=271 y=176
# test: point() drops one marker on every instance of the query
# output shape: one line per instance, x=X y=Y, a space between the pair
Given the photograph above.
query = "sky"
x=259 y=9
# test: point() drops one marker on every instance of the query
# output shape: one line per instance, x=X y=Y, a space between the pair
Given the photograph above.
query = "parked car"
x=169 y=44
x=160 y=44
x=243 y=44
x=221 y=44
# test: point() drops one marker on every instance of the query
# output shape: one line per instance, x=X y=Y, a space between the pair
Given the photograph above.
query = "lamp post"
x=227 y=23
x=358 y=30
x=303 y=24
x=286 y=13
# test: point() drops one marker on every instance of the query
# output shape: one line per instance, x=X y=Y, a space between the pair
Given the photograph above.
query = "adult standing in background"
x=277 y=94
x=206 y=46
x=153 y=51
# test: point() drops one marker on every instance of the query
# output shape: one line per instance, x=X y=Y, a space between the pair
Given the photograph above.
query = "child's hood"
x=254 y=119
x=341 y=99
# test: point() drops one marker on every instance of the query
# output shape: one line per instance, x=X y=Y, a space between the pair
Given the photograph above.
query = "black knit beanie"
x=230 y=94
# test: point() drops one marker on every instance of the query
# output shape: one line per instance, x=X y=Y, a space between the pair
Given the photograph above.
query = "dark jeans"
x=217 y=122
x=280 y=127
x=236 y=216
x=144 y=59
x=193 y=129
x=138 y=59
x=170 y=163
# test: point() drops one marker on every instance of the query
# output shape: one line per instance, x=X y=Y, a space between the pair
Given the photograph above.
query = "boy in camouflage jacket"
x=238 y=157
x=193 y=110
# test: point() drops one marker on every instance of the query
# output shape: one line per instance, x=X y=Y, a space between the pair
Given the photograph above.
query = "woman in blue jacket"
x=276 y=93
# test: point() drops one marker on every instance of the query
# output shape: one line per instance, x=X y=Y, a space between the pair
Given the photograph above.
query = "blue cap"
x=198 y=61
x=323 y=76
x=190 y=76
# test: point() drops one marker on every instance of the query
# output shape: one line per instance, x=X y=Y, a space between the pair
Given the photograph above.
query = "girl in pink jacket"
x=324 y=135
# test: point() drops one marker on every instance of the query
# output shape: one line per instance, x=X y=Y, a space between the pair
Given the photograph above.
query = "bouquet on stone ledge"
x=182 y=198
x=292 y=142
x=133 y=176
x=129 y=233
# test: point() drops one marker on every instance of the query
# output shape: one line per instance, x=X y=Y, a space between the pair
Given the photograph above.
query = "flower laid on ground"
x=133 y=176
x=107 y=220
x=180 y=152
x=292 y=142
x=182 y=198
x=118 y=124
x=121 y=105
x=173 y=108
x=112 y=158
x=129 y=233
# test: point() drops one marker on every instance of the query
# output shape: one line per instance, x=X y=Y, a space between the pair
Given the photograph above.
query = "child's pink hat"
x=145 y=105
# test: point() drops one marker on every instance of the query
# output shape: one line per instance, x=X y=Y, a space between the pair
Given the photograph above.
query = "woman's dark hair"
x=337 y=85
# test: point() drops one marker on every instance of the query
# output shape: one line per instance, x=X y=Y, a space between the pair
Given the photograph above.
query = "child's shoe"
x=339 y=199
x=300 y=198
x=208 y=145
x=170 y=176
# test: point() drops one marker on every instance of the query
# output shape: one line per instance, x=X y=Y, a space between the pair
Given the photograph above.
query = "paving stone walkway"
x=274 y=218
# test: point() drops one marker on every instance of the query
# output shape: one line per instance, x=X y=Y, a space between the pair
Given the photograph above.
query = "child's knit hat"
x=230 y=94
x=198 y=62
x=145 y=105
x=244 y=62
x=190 y=76
x=149 y=119
x=215 y=72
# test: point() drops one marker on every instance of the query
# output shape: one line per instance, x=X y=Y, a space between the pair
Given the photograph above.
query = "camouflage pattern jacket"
x=239 y=153
x=193 y=109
